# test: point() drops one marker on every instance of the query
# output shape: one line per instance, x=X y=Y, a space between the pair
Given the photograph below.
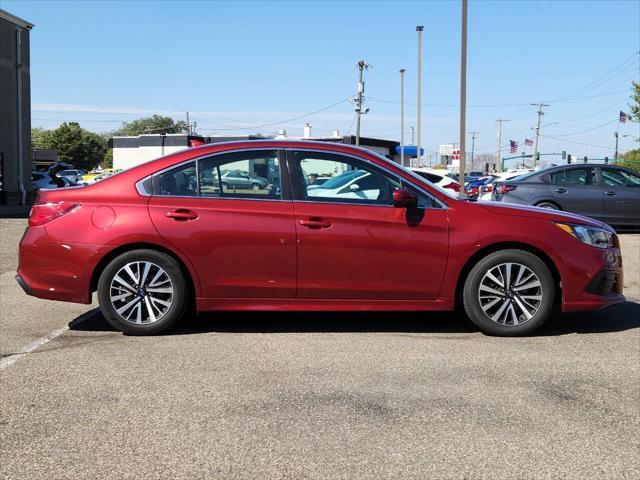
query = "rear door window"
x=574 y=177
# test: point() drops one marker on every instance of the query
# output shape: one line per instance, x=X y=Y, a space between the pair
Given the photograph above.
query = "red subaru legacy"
x=248 y=226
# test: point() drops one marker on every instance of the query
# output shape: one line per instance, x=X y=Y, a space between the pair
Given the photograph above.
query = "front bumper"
x=592 y=278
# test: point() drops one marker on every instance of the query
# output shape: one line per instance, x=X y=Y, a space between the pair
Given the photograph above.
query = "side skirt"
x=319 y=305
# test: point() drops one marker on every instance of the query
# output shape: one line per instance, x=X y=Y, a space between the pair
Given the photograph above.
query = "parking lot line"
x=36 y=344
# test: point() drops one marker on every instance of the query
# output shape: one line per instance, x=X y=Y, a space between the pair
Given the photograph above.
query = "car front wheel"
x=143 y=292
x=509 y=293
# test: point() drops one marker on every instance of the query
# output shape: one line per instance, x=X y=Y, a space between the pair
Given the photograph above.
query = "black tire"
x=549 y=205
x=180 y=296
x=255 y=187
x=510 y=328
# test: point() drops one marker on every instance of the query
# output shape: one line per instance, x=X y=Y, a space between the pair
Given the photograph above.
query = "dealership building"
x=15 y=111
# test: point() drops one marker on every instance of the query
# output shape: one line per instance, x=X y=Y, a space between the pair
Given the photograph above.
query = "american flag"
x=514 y=146
x=528 y=142
x=623 y=117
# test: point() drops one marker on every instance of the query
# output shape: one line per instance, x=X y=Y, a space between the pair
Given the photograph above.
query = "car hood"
x=541 y=213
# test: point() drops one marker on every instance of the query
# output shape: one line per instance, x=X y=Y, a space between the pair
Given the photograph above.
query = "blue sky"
x=235 y=65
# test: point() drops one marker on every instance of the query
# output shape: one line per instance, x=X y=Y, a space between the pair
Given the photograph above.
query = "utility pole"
x=473 y=146
x=413 y=135
x=463 y=96
x=362 y=65
x=402 y=116
x=615 y=155
x=540 y=114
x=419 y=29
x=498 y=154
x=188 y=125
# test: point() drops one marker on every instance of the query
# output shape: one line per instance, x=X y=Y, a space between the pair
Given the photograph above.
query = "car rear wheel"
x=509 y=293
x=255 y=187
x=143 y=292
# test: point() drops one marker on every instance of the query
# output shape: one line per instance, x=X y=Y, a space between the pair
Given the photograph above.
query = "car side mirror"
x=354 y=187
x=404 y=198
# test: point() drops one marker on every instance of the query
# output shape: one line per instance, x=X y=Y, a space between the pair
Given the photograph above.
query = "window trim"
x=284 y=185
x=298 y=191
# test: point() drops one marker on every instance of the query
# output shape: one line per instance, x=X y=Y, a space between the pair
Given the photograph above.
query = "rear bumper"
x=56 y=271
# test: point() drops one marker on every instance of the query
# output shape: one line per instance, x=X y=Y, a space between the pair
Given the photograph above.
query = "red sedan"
x=177 y=233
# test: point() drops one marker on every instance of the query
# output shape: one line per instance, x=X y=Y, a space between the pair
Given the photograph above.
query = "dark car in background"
x=605 y=192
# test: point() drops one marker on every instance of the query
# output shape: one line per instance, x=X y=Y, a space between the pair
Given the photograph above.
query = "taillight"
x=502 y=189
x=453 y=186
x=486 y=188
x=45 y=212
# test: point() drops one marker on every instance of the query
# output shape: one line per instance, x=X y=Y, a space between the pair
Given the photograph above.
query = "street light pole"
x=463 y=95
x=615 y=155
x=419 y=29
x=402 y=117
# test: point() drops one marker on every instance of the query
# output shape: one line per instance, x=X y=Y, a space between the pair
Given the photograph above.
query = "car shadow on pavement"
x=618 y=318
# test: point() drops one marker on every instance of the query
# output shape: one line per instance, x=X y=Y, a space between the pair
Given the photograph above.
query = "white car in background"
x=487 y=190
x=352 y=184
x=439 y=178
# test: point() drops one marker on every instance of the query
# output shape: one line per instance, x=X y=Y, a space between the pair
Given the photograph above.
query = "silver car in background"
x=605 y=192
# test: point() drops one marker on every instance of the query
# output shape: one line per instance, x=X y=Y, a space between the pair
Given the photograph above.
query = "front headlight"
x=593 y=236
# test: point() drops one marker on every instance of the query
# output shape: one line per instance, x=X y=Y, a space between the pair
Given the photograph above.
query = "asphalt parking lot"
x=272 y=395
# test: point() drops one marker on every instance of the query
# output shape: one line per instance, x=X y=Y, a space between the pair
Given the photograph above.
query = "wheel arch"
x=494 y=247
x=544 y=200
x=116 y=252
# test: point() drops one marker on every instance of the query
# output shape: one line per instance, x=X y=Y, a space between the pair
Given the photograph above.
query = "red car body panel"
x=261 y=255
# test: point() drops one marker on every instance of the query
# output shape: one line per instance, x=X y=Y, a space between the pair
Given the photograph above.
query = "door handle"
x=315 y=223
x=182 y=215
x=610 y=193
x=561 y=190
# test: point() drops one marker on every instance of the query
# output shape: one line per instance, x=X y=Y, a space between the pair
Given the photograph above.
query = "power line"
x=271 y=124
x=593 y=83
x=577 y=143
x=587 y=130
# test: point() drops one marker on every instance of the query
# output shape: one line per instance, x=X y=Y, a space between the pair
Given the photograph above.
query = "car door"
x=364 y=248
x=621 y=195
x=577 y=190
x=242 y=245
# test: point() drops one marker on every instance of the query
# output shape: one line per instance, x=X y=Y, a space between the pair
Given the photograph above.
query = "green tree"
x=635 y=106
x=41 y=138
x=154 y=124
x=78 y=146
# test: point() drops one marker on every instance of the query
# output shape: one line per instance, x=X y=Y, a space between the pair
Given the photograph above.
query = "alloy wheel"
x=510 y=294
x=141 y=292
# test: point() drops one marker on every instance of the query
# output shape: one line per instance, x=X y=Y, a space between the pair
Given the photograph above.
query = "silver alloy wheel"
x=510 y=294
x=141 y=292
